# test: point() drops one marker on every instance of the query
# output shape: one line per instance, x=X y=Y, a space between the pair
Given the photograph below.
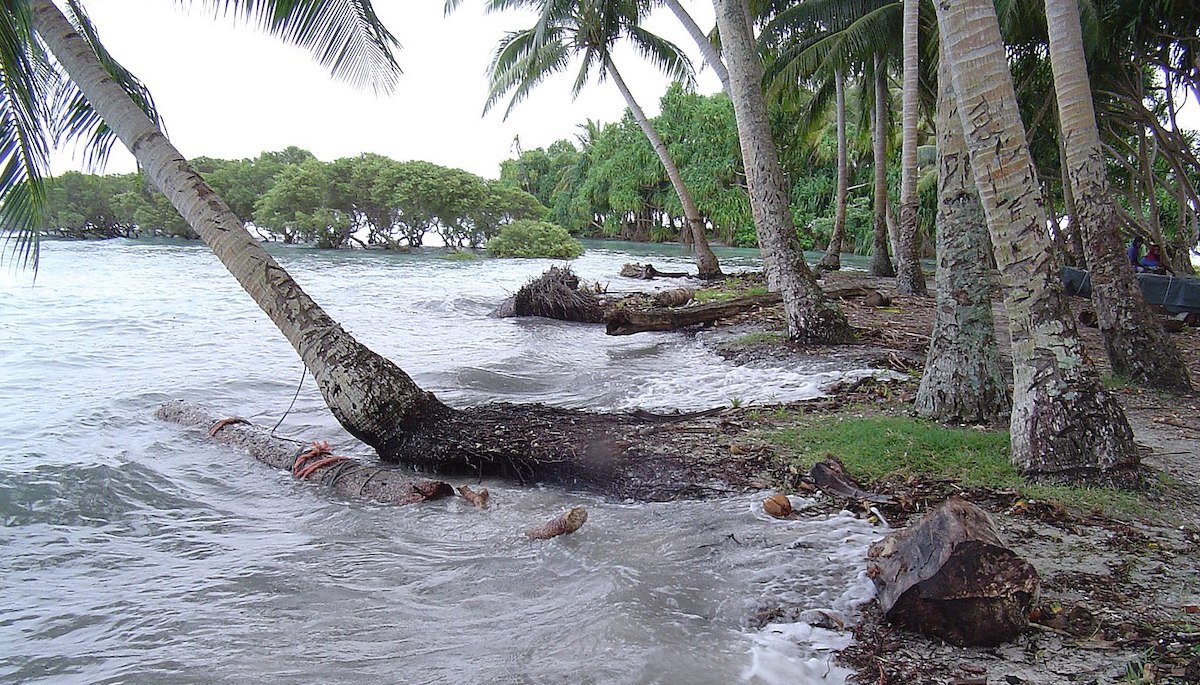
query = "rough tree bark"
x=1064 y=424
x=810 y=316
x=881 y=262
x=833 y=254
x=1134 y=340
x=963 y=379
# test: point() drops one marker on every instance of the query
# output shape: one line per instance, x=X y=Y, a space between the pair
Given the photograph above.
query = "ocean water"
x=137 y=552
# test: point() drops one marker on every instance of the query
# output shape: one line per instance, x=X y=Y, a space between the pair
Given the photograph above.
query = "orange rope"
x=319 y=449
x=308 y=470
x=322 y=453
x=225 y=422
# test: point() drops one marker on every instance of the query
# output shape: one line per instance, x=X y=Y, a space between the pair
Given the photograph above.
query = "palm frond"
x=663 y=54
x=345 y=36
x=26 y=81
x=76 y=120
x=522 y=62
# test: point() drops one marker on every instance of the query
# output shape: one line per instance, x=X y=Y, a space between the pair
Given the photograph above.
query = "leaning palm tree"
x=589 y=29
x=371 y=397
x=818 y=38
x=810 y=316
x=1064 y=424
x=1135 y=342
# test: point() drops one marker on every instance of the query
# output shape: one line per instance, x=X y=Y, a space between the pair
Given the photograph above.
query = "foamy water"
x=135 y=551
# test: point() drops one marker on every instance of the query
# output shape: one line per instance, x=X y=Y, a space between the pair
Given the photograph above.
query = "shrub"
x=527 y=238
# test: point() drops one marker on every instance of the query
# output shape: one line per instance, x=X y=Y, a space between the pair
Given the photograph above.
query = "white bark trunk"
x=810 y=317
x=909 y=278
x=1064 y=424
x=881 y=262
x=369 y=395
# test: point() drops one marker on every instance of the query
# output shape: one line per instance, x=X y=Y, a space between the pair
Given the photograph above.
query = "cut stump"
x=948 y=574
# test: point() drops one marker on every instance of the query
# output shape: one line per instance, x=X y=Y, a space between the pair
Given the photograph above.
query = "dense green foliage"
x=293 y=197
x=525 y=238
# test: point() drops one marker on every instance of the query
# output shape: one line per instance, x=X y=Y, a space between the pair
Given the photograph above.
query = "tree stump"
x=948 y=574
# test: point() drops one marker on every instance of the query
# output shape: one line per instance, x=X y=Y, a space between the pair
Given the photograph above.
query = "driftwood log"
x=310 y=461
x=625 y=321
x=564 y=524
x=647 y=271
x=947 y=574
x=831 y=478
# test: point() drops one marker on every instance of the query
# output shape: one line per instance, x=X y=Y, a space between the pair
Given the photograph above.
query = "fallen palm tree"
x=627 y=456
x=310 y=461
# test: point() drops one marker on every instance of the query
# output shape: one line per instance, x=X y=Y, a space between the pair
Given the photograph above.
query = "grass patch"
x=895 y=448
x=756 y=338
x=730 y=288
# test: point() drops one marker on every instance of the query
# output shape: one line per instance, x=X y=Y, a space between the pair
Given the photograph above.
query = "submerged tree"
x=371 y=397
x=1064 y=425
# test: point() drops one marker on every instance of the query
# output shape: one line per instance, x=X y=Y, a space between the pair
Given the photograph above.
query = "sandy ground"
x=1119 y=596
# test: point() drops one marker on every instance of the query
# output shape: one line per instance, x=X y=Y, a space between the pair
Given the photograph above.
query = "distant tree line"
x=609 y=183
x=291 y=196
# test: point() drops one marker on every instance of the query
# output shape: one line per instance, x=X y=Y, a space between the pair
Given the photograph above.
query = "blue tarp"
x=1177 y=294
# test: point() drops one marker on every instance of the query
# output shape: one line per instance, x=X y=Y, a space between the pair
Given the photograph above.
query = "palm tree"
x=881 y=263
x=963 y=380
x=1135 y=342
x=590 y=28
x=833 y=253
x=1064 y=425
x=828 y=36
x=810 y=316
x=709 y=51
x=371 y=397
x=909 y=279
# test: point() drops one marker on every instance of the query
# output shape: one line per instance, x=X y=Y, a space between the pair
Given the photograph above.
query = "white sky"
x=230 y=92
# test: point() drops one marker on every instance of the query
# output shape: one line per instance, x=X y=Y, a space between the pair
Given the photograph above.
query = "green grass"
x=729 y=289
x=895 y=447
x=756 y=338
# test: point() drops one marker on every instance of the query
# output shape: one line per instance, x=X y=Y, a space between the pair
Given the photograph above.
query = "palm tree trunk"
x=711 y=58
x=1064 y=424
x=881 y=262
x=833 y=254
x=1135 y=342
x=963 y=379
x=810 y=316
x=909 y=278
x=706 y=261
x=371 y=397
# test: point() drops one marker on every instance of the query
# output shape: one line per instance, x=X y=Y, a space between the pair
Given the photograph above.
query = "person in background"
x=1134 y=252
x=1153 y=262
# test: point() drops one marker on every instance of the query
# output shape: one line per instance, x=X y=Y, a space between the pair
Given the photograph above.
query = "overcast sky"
x=230 y=92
